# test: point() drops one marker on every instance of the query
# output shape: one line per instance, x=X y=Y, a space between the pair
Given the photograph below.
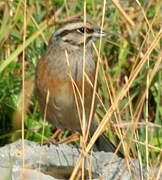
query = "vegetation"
x=130 y=71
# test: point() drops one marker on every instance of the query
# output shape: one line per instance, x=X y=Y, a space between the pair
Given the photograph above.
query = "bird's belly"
x=62 y=110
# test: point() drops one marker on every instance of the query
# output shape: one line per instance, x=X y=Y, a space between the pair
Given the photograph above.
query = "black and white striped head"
x=74 y=34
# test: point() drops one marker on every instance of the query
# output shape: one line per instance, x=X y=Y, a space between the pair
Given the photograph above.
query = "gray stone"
x=57 y=162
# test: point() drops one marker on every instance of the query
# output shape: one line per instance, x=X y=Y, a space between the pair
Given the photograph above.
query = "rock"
x=57 y=162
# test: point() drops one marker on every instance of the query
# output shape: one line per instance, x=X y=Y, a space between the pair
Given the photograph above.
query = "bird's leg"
x=53 y=139
x=71 y=138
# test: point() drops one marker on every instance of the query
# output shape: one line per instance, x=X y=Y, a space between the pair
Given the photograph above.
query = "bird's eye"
x=81 y=30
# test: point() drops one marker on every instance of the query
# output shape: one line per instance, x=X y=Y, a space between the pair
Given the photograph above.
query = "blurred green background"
x=121 y=52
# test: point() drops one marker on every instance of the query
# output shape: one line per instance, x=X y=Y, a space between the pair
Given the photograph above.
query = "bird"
x=60 y=71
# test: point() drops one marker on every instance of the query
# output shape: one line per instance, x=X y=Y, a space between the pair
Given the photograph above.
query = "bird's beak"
x=99 y=33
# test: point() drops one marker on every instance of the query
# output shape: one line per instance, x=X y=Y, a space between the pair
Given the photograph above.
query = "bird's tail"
x=103 y=143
